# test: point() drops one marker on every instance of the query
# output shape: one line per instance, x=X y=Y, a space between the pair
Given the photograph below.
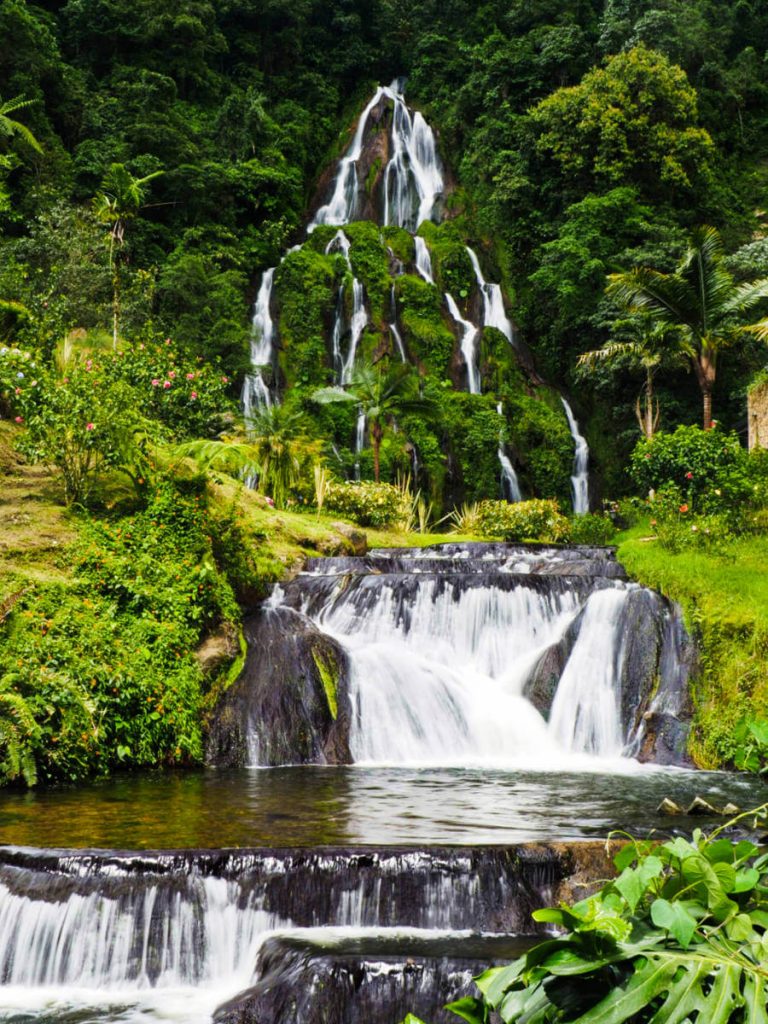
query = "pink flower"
x=270 y=502
x=167 y=341
x=225 y=380
x=90 y=426
x=190 y=376
x=689 y=476
x=155 y=382
x=172 y=374
x=141 y=347
x=166 y=384
x=193 y=396
x=647 y=455
x=19 y=419
x=18 y=391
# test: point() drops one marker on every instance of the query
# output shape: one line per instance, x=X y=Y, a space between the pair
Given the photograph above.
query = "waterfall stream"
x=468 y=345
x=256 y=396
x=580 y=477
x=510 y=488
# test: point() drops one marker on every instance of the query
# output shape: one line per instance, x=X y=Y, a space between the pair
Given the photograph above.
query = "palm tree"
x=382 y=395
x=700 y=301
x=10 y=127
x=120 y=199
x=644 y=342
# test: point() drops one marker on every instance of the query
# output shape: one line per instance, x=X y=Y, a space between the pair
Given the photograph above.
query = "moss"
x=541 y=441
x=724 y=597
x=306 y=291
x=373 y=174
x=450 y=260
x=329 y=671
x=370 y=264
x=400 y=242
x=421 y=317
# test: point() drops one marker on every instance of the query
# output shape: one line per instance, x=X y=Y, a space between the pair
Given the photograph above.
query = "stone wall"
x=757 y=408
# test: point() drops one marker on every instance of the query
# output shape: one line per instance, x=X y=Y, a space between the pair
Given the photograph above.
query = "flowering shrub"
x=524 y=520
x=189 y=397
x=699 y=461
x=592 y=528
x=18 y=371
x=367 y=503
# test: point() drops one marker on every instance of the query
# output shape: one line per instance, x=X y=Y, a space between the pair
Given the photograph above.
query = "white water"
x=423 y=259
x=344 y=365
x=256 y=396
x=437 y=674
x=341 y=207
x=359 y=440
x=509 y=484
x=468 y=345
x=585 y=713
x=494 y=313
x=413 y=178
x=580 y=477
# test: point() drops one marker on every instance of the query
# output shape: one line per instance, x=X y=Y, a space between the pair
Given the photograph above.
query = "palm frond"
x=609 y=352
x=325 y=396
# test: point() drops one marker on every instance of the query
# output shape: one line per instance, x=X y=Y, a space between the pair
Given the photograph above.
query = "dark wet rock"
x=290 y=704
x=217 y=650
x=541 y=686
x=376 y=979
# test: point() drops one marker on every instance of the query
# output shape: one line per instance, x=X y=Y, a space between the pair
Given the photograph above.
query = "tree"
x=120 y=199
x=644 y=342
x=700 y=301
x=382 y=395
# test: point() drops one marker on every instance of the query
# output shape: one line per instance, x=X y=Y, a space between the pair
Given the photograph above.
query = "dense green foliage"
x=682 y=930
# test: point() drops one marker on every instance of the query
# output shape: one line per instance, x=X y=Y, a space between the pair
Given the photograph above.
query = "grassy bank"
x=724 y=595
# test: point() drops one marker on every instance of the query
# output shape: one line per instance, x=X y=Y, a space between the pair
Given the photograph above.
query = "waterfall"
x=585 y=712
x=343 y=367
x=468 y=348
x=395 y=331
x=342 y=205
x=423 y=259
x=256 y=396
x=580 y=477
x=447 y=658
x=413 y=178
x=510 y=488
x=359 y=440
x=494 y=314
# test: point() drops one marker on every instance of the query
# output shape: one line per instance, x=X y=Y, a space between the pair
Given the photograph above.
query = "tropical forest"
x=383 y=512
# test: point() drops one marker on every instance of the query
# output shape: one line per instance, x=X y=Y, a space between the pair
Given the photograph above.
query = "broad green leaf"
x=526 y=1003
x=740 y=928
x=566 y=961
x=470 y=1009
x=650 y=979
x=726 y=875
x=675 y=919
x=745 y=880
x=683 y=997
x=721 y=850
x=755 y=999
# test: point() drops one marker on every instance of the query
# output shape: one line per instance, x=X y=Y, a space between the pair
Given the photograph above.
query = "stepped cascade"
x=468 y=654
x=408 y=192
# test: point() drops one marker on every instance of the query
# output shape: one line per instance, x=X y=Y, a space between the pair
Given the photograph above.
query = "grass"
x=724 y=596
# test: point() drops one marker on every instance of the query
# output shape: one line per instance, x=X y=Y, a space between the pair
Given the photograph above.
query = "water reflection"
x=312 y=806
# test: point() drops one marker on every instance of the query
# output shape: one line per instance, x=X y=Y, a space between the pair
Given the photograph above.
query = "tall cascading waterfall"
x=256 y=396
x=344 y=365
x=580 y=477
x=413 y=179
x=510 y=488
x=494 y=313
x=423 y=259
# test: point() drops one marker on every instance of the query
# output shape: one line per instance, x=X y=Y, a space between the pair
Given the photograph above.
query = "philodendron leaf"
x=675 y=919
x=746 y=879
x=470 y=1009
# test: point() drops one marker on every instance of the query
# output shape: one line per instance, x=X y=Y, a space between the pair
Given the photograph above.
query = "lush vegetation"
x=681 y=930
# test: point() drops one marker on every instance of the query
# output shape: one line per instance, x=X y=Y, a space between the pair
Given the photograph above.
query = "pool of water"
x=313 y=806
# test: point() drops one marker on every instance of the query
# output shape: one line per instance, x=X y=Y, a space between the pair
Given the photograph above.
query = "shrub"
x=592 y=528
x=369 y=504
x=698 y=461
x=538 y=520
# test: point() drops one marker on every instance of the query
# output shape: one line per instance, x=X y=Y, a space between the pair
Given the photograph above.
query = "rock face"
x=290 y=704
x=376 y=979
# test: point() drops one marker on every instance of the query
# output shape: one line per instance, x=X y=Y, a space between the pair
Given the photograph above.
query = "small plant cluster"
x=368 y=504
x=751 y=738
x=537 y=520
x=680 y=934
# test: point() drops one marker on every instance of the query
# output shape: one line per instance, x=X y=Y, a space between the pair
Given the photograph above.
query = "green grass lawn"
x=725 y=599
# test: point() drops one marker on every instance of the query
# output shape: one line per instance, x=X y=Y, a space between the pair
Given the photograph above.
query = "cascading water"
x=359 y=440
x=423 y=259
x=580 y=477
x=256 y=396
x=494 y=313
x=344 y=365
x=447 y=657
x=468 y=345
x=510 y=488
x=413 y=179
x=394 y=329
